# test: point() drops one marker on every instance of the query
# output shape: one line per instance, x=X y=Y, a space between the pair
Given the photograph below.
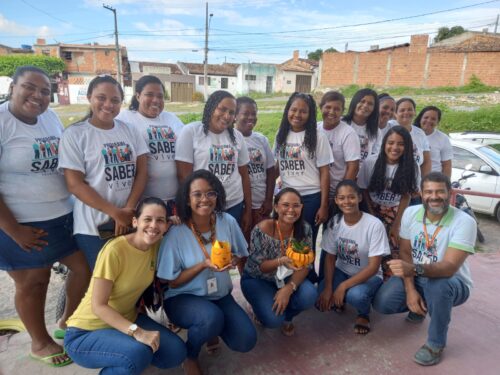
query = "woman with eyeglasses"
x=214 y=144
x=199 y=295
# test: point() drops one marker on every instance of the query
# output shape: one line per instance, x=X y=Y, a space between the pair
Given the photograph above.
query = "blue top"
x=180 y=250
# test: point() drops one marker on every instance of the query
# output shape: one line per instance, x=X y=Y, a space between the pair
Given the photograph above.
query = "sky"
x=266 y=31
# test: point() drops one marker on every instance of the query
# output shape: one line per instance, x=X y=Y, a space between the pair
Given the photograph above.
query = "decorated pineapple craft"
x=221 y=253
x=301 y=254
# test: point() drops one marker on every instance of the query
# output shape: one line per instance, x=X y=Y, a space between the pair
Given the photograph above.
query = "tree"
x=316 y=55
x=445 y=33
x=9 y=63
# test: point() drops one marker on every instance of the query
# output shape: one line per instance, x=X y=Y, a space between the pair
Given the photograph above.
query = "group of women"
x=168 y=192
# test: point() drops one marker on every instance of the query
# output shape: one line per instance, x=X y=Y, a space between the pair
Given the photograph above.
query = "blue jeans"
x=205 y=319
x=90 y=245
x=117 y=353
x=440 y=296
x=236 y=211
x=359 y=296
x=260 y=294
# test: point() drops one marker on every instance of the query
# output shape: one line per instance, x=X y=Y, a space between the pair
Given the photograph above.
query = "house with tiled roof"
x=297 y=74
x=220 y=76
x=256 y=77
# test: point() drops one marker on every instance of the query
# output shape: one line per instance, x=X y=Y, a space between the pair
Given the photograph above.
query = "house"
x=6 y=50
x=83 y=63
x=255 y=77
x=220 y=77
x=297 y=74
x=180 y=87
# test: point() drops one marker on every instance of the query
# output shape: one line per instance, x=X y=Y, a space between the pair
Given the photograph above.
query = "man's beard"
x=437 y=210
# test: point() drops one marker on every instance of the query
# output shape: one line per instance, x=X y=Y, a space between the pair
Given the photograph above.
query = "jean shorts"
x=60 y=245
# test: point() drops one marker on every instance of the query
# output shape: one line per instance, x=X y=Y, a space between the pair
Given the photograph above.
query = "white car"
x=487 y=138
x=485 y=161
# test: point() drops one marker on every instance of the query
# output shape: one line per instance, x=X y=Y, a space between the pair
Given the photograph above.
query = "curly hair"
x=298 y=226
x=210 y=106
x=418 y=119
x=140 y=85
x=182 y=197
x=311 y=136
x=372 y=120
x=405 y=178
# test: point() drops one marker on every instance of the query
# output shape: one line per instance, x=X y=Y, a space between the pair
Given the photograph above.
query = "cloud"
x=11 y=27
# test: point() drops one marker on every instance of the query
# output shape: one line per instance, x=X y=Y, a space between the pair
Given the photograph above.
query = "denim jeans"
x=359 y=296
x=205 y=319
x=260 y=294
x=236 y=211
x=117 y=353
x=90 y=245
x=440 y=295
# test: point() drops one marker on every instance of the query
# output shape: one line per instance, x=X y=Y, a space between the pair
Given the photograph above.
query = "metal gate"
x=181 y=92
x=303 y=83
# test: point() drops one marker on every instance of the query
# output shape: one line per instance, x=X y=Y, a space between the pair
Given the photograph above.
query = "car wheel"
x=497 y=212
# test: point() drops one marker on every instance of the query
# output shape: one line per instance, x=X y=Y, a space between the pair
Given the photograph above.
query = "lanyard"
x=202 y=246
x=429 y=243
x=282 y=244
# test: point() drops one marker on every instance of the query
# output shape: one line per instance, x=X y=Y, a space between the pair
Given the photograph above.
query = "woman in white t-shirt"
x=36 y=222
x=213 y=144
x=160 y=130
x=105 y=165
x=303 y=157
x=387 y=107
x=439 y=143
x=363 y=117
x=355 y=243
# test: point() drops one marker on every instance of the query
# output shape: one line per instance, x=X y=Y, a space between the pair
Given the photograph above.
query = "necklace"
x=430 y=242
x=200 y=237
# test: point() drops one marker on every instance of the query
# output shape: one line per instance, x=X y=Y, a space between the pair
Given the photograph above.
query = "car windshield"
x=492 y=153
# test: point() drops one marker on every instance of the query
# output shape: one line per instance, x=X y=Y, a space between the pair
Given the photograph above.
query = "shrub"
x=198 y=97
x=9 y=63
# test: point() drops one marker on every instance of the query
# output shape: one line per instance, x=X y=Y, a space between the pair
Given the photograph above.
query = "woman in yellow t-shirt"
x=106 y=331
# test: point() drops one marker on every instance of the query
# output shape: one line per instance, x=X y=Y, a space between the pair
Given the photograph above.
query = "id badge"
x=212 y=285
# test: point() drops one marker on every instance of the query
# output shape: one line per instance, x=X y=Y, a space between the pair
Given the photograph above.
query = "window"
x=201 y=80
x=224 y=83
x=46 y=52
x=68 y=55
x=462 y=157
x=288 y=82
x=250 y=77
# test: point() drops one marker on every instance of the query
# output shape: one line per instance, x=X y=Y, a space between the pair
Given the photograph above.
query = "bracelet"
x=294 y=286
x=279 y=261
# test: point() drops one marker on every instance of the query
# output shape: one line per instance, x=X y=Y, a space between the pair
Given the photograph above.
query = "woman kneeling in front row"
x=106 y=331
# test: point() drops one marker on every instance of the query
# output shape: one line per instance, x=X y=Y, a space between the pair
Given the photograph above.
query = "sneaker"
x=426 y=356
x=414 y=317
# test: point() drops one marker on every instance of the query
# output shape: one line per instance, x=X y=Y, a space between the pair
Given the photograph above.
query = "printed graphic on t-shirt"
x=45 y=155
x=421 y=254
x=347 y=251
x=363 y=143
x=256 y=166
x=119 y=165
x=222 y=161
x=161 y=142
x=291 y=163
x=416 y=155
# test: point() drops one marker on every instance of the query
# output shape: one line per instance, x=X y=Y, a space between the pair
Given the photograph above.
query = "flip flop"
x=365 y=327
x=48 y=359
x=213 y=348
x=288 y=329
x=12 y=325
x=59 y=334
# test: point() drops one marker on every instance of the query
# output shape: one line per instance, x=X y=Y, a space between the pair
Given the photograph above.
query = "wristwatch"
x=419 y=270
x=132 y=330
x=294 y=286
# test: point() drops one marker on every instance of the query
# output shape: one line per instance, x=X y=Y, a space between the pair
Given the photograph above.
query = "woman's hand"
x=246 y=221
x=339 y=295
x=149 y=338
x=123 y=220
x=266 y=208
x=326 y=300
x=321 y=215
x=208 y=264
x=281 y=299
x=176 y=220
x=28 y=238
x=415 y=302
x=288 y=263
x=394 y=234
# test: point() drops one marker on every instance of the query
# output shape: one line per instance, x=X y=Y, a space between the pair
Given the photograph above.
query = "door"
x=181 y=92
x=303 y=83
x=269 y=84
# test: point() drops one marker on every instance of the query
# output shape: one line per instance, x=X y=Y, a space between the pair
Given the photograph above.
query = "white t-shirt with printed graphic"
x=261 y=159
x=344 y=143
x=367 y=145
x=441 y=149
x=30 y=183
x=458 y=231
x=297 y=169
x=160 y=134
x=420 y=142
x=216 y=153
x=107 y=158
x=354 y=244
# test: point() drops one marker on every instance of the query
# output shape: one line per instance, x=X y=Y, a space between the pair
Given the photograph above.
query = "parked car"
x=485 y=164
x=487 y=138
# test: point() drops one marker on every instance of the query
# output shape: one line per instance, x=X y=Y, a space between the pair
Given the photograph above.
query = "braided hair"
x=372 y=121
x=210 y=106
x=311 y=136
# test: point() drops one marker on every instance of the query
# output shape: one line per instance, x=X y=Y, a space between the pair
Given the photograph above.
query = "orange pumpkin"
x=221 y=254
x=301 y=254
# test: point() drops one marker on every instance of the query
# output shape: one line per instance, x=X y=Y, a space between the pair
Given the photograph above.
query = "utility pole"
x=496 y=24
x=205 y=62
x=117 y=46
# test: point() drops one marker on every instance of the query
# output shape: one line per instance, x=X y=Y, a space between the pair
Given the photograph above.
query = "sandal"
x=49 y=359
x=427 y=356
x=362 y=328
x=414 y=318
x=288 y=329
x=213 y=346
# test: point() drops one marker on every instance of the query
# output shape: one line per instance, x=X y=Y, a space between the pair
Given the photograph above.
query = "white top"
x=367 y=144
x=441 y=149
x=160 y=134
x=420 y=142
x=30 y=184
x=107 y=158
x=261 y=159
x=216 y=153
x=297 y=169
x=344 y=143
x=354 y=244
x=458 y=231
x=387 y=197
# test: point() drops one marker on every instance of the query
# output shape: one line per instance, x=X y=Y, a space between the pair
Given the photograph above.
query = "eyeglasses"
x=198 y=195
